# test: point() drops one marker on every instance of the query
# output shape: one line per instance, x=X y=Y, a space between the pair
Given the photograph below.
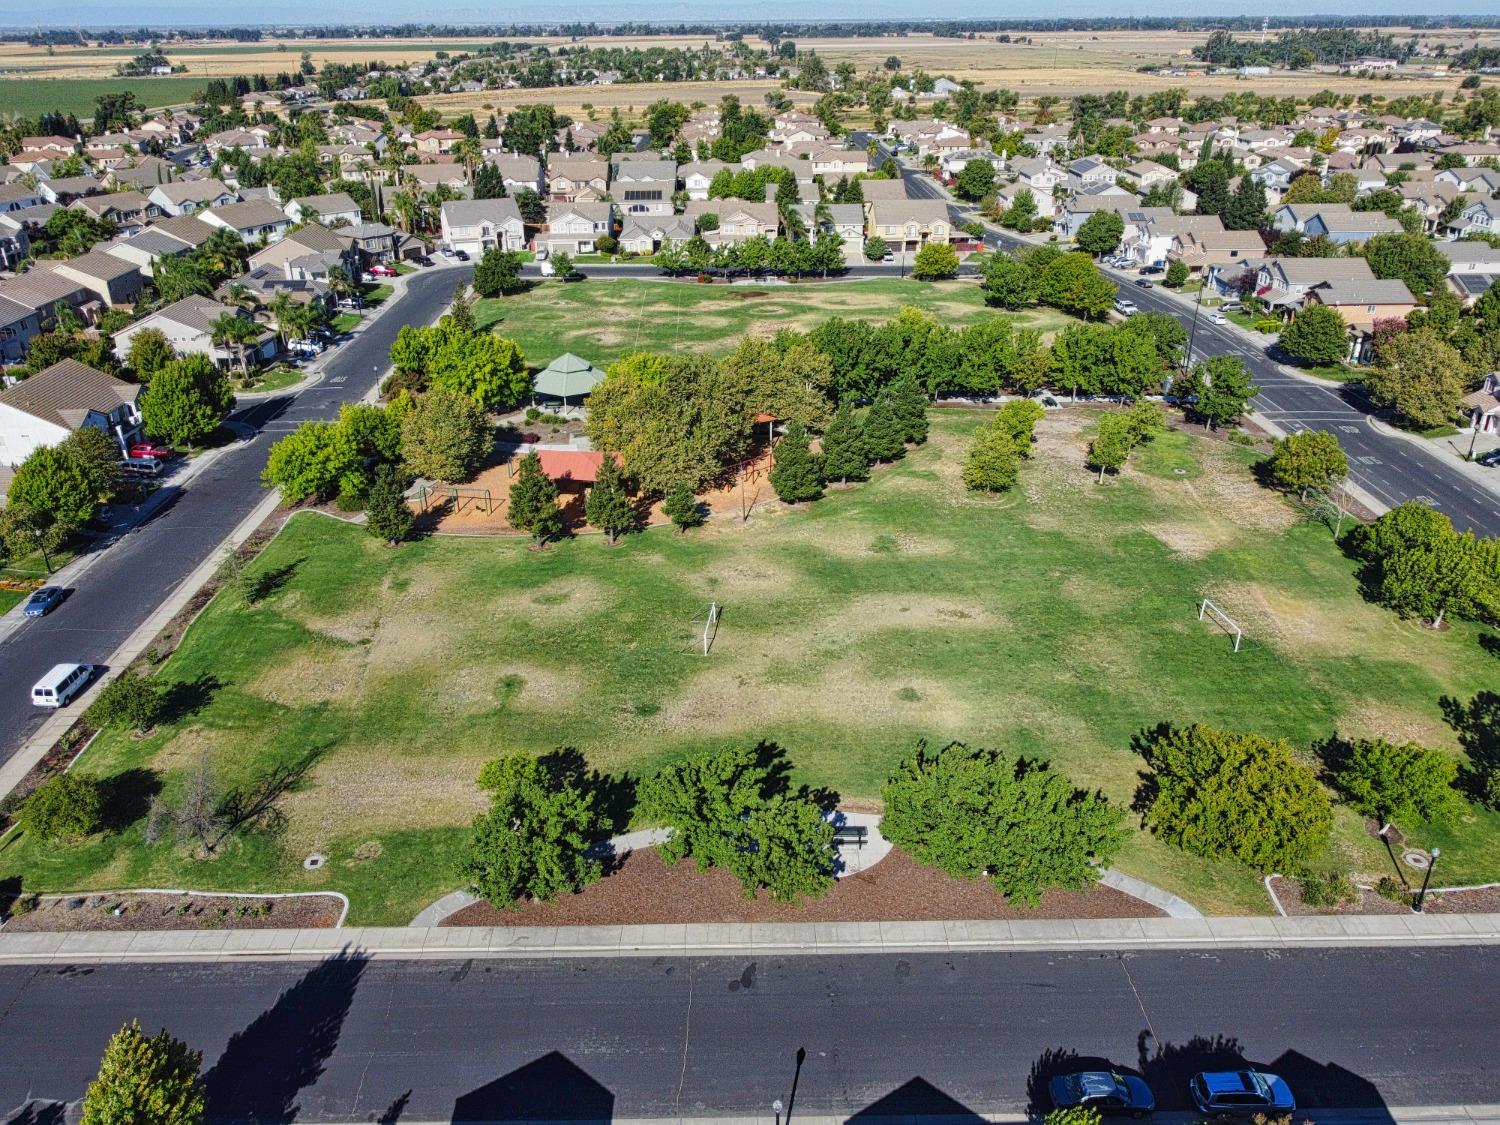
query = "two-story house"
x=336 y=207
x=477 y=225
x=736 y=220
x=909 y=224
x=1361 y=304
x=577 y=178
x=575 y=227
x=188 y=325
x=47 y=408
x=643 y=187
x=252 y=221
x=188 y=197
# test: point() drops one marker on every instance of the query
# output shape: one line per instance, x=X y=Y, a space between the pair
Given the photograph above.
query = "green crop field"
x=603 y=320
x=1057 y=620
x=31 y=96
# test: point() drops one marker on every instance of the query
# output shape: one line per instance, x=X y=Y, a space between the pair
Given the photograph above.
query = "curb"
x=1383 y=1115
x=734 y=939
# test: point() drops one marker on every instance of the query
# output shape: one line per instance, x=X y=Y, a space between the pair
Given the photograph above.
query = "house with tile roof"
x=46 y=408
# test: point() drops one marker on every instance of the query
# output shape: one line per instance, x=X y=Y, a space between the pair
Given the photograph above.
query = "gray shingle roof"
x=63 y=393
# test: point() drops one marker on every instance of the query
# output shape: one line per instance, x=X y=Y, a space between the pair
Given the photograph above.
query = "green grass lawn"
x=276 y=379
x=603 y=320
x=344 y=322
x=375 y=294
x=1058 y=620
x=76 y=95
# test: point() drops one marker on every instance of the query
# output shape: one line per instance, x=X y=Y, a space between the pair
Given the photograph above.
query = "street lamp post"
x=1187 y=360
x=42 y=543
x=1426 y=878
x=776 y=1109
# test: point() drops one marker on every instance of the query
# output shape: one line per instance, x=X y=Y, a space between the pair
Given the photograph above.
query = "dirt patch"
x=892 y=545
x=314 y=673
x=646 y=890
x=1370 y=718
x=134 y=912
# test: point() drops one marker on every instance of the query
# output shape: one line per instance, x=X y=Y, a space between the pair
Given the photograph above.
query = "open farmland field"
x=76 y=95
x=603 y=320
x=1057 y=621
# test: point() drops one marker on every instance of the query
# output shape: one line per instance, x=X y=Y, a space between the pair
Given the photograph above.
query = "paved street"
x=130 y=578
x=883 y=1035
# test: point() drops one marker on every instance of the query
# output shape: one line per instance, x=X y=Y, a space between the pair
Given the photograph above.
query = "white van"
x=61 y=684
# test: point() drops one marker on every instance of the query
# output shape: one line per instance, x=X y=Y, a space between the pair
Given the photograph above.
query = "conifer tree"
x=533 y=501
x=608 y=507
x=795 y=475
x=681 y=507
x=844 y=455
x=885 y=437
x=910 y=403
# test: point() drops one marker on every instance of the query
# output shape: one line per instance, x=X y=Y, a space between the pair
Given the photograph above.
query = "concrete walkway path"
x=775 y=938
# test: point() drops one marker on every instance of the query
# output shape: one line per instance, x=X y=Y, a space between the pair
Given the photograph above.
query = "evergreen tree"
x=151 y=1080
x=387 y=514
x=608 y=508
x=681 y=507
x=795 y=475
x=845 y=457
x=910 y=404
x=533 y=501
x=885 y=436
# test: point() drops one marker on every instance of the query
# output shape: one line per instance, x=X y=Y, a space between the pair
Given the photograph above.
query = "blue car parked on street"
x=1241 y=1093
x=1103 y=1090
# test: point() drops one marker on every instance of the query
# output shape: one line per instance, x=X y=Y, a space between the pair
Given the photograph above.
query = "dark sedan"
x=44 y=601
x=1103 y=1090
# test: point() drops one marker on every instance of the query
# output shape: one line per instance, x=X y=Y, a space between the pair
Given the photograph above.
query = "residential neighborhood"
x=930 y=568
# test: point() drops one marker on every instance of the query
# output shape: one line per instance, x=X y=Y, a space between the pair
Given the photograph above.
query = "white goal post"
x=710 y=627
x=1207 y=607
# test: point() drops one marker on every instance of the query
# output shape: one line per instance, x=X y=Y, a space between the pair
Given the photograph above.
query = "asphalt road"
x=882 y=1034
x=130 y=577
x=1393 y=469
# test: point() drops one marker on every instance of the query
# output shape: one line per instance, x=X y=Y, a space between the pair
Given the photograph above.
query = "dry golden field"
x=1060 y=64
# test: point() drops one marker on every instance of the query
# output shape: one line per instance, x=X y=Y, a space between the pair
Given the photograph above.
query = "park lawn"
x=1057 y=620
x=602 y=320
x=277 y=378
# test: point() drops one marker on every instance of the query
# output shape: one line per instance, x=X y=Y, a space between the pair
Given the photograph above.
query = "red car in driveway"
x=383 y=271
x=148 y=450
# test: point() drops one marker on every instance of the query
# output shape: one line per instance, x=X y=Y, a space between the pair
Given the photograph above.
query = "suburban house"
x=188 y=326
x=847 y=220
x=335 y=208
x=831 y=163
x=41 y=291
x=252 y=221
x=15 y=243
x=697 y=177
x=16 y=196
x=643 y=187
x=1037 y=173
x=738 y=221
x=18 y=324
x=129 y=211
x=435 y=142
x=1483 y=406
x=518 y=171
x=1073 y=213
x=376 y=242
x=53 y=146
x=574 y=227
x=1361 y=304
x=1333 y=221
x=63 y=191
x=1283 y=282
x=646 y=234
x=909 y=224
x=188 y=197
x=1088 y=170
x=44 y=409
x=315 y=247
x=1473 y=267
x=111 y=279
x=1144 y=175
x=577 y=178
x=428 y=176
x=477 y=225
x=1201 y=248
x=1482 y=216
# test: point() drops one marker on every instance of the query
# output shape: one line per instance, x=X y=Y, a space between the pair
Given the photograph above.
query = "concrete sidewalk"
x=724 y=939
x=1386 y=1115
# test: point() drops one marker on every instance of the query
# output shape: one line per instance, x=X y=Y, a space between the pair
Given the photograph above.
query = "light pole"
x=776 y=1109
x=1187 y=360
x=1426 y=877
x=42 y=543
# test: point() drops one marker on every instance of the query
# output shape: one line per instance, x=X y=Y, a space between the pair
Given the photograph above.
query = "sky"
x=226 y=12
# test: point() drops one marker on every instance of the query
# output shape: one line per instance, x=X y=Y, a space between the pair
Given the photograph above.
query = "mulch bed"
x=58 y=913
x=646 y=890
x=1486 y=901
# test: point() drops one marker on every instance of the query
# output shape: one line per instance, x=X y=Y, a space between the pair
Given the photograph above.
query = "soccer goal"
x=1207 y=608
x=710 y=627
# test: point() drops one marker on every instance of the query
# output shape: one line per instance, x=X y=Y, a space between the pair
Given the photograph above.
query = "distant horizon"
x=97 y=15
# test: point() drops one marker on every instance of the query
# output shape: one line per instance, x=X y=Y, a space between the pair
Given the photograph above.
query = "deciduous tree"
x=935 y=260
x=67 y=806
x=130 y=698
x=1219 y=794
x=1420 y=376
x=1308 y=459
x=186 y=401
x=1316 y=337
x=971 y=812
x=1101 y=233
x=445 y=436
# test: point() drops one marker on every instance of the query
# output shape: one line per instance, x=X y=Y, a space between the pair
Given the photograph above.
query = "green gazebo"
x=567 y=377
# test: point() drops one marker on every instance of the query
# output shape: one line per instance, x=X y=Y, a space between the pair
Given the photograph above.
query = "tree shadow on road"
x=284 y=1051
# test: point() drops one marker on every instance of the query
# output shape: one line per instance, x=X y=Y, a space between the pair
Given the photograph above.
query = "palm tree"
x=281 y=307
x=407 y=209
x=233 y=330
